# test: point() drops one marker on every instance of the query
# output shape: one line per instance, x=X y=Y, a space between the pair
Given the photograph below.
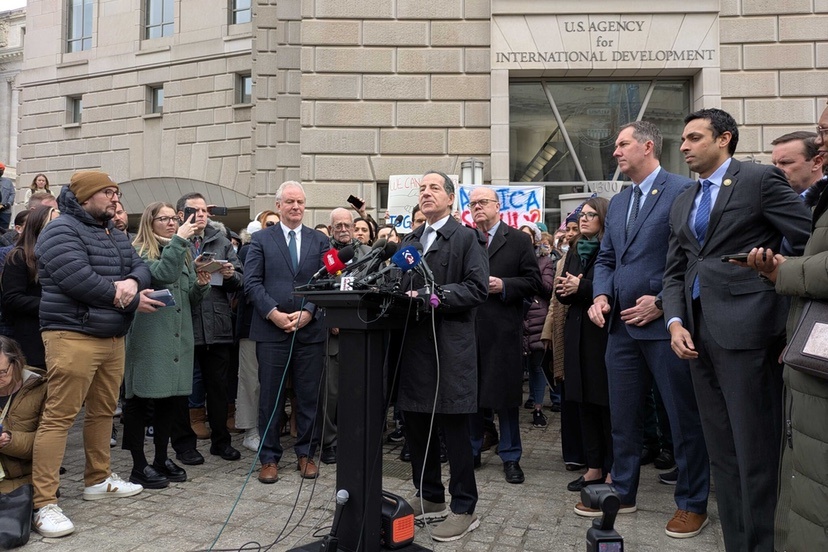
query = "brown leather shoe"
x=307 y=468
x=685 y=525
x=269 y=473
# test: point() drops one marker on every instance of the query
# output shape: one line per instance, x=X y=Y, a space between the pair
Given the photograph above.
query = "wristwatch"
x=658 y=304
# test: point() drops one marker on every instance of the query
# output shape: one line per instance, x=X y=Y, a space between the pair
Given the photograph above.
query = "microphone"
x=405 y=259
x=330 y=542
x=398 y=220
x=387 y=252
x=376 y=251
x=425 y=270
x=333 y=261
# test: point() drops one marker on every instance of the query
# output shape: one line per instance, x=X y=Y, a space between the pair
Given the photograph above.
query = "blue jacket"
x=79 y=258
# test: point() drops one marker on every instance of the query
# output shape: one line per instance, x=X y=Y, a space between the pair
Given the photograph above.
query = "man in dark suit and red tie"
x=627 y=297
x=728 y=322
x=280 y=258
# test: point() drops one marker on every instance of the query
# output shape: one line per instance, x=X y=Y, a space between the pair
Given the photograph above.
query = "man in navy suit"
x=730 y=323
x=627 y=296
x=287 y=330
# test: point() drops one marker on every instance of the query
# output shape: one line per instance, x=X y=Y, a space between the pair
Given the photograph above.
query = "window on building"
x=155 y=99
x=79 y=29
x=159 y=18
x=240 y=11
x=244 y=92
x=74 y=109
x=562 y=133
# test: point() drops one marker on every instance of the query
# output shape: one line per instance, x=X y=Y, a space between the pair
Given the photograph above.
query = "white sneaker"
x=252 y=440
x=111 y=487
x=49 y=521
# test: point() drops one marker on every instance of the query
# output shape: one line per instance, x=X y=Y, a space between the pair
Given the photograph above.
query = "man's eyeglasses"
x=164 y=220
x=481 y=202
x=821 y=131
x=110 y=193
x=342 y=226
x=588 y=216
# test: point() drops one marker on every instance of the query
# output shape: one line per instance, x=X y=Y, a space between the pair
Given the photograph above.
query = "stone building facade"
x=345 y=93
x=12 y=35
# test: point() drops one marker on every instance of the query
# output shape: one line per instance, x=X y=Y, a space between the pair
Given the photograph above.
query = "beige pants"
x=79 y=368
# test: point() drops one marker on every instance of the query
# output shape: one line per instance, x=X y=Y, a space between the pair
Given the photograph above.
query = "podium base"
x=314 y=547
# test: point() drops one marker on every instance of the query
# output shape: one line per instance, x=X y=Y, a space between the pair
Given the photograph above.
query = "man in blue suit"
x=288 y=331
x=627 y=296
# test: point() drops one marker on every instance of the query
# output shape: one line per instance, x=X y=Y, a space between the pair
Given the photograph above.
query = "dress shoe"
x=307 y=468
x=585 y=511
x=269 y=473
x=669 y=478
x=580 y=483
x=226 y=453
x=556 y=407
x=685 y=525
x=665 y=460
x=513 y=472
x=405 y=452
x=328 y=455
x=171 y=471
x=490 y=439
x=574 y=466
x=190 y=457
x=149 y=478
x=648 y=455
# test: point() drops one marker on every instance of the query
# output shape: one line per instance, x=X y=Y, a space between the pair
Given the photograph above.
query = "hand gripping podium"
x=363 y=319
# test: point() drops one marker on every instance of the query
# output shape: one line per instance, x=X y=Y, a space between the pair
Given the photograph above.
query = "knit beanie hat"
x=85 y=184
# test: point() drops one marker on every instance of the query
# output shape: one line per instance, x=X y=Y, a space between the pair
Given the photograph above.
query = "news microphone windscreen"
x=379 y=244
x=398 y=220
x=333 y=263
x=390 y=249
x=346 y=253
x=406 y=258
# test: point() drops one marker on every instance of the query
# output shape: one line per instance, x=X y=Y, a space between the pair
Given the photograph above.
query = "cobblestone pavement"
x=190 y=516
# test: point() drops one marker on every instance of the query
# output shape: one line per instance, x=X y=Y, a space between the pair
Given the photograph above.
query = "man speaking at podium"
x=440 y=359
x=280 y=258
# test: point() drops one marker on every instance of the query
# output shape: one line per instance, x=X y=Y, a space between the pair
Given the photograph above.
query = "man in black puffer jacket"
x=92 y=280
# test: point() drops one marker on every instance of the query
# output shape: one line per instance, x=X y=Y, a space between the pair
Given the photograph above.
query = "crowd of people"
x=650 y=347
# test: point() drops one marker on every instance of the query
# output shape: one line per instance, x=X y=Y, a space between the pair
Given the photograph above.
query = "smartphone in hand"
x=353 y=200
x=163 y=295
x=741 y=257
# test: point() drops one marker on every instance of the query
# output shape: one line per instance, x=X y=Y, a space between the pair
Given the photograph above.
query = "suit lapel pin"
x=727 y=182
x=654 y=192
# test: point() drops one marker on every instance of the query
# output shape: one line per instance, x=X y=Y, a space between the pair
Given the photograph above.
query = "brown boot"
x=197 y=418
x=231 y=419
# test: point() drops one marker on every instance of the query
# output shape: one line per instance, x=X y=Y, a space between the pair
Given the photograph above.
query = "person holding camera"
x=212 y=332
x=165 y=377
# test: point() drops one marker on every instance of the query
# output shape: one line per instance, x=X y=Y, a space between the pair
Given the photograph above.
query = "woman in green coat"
x=159 y=345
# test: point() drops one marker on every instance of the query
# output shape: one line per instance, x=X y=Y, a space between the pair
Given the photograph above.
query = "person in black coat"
x=21 y=288
x=586 y=345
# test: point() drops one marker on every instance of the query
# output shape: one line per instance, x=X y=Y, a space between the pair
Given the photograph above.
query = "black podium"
x=363 y=319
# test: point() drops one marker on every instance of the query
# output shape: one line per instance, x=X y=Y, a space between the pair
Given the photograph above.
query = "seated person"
x=22 y=394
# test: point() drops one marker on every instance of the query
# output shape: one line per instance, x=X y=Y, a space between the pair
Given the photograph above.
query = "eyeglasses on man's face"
x=481 y=202
x=822 y=132
x=588 y=216
x=109 y=193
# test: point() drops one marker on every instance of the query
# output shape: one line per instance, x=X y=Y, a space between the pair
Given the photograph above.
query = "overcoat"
x=159 y=345
x=460 y=266
x=802 y=510
x=585 y=346
x=500 y=318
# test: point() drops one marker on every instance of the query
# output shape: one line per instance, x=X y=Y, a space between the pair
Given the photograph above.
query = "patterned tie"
x=636 y=205
x=294 y=254
x=700 y=226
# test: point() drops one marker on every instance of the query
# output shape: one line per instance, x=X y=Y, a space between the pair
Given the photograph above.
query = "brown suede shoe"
x=269 y=473
x=307 y=468
x=685 y=525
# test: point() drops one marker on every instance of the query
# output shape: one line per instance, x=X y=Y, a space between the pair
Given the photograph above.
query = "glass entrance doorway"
x=562 y=133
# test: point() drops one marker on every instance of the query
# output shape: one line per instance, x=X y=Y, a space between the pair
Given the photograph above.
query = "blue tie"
x=294 y=255
x=636 y=205
x=700 y=226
